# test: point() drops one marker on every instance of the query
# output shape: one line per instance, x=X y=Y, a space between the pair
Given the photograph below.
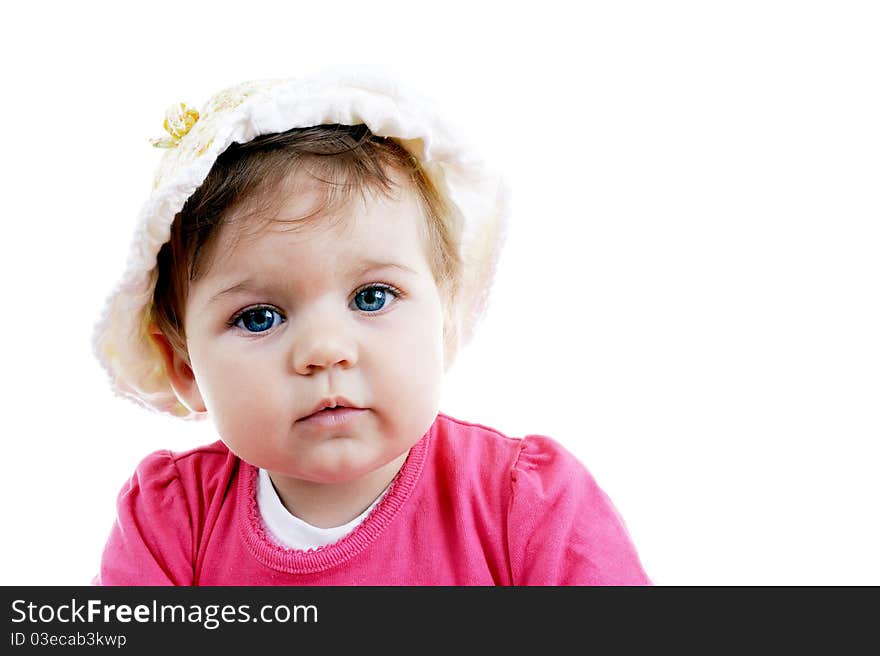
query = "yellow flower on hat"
x=178 y=121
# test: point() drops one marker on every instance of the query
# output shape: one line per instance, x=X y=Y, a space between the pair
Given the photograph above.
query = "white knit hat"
x=196 y=138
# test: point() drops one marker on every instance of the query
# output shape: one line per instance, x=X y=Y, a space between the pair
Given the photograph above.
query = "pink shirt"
x=470 y=506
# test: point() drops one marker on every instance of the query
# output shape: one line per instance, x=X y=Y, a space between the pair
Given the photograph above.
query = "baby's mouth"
x=332 y=410
x=331 y=406
x=332 y=416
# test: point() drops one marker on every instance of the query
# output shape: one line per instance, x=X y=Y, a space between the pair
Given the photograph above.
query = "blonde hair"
x=346 y=159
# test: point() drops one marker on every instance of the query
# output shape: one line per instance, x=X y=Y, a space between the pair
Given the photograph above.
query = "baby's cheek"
x=238 y=412
x=412 y=384
x=252 y=426
x=416 y=357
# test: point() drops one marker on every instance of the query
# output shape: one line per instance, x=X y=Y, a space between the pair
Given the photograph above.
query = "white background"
x=688 y=300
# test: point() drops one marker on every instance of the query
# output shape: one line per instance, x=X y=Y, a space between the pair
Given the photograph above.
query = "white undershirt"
x=289 y=530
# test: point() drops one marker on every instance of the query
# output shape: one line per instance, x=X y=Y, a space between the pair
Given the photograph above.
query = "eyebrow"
x=366 y=266
x=372 y=265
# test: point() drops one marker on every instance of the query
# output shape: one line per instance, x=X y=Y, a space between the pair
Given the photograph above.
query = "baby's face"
x=283 y=321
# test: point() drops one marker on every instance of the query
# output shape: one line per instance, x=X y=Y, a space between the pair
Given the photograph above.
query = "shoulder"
x=541 y=460
x=203 y=467
x=560 y=527
x=160 y=516
x=531 y=453
x=483 y=457
x=210 y=456
x=471 y=436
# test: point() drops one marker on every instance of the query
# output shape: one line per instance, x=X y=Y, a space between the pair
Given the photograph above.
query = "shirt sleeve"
x=562 y=528
x=151 y=540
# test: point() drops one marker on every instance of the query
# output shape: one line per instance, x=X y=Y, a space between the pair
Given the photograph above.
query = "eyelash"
x=398 y=294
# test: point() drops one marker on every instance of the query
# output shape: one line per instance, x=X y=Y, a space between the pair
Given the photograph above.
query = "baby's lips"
x=331 y=402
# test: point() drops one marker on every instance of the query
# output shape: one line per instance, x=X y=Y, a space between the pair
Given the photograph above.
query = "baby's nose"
x=323 y=345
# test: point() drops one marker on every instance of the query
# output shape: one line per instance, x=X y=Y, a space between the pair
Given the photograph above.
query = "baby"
x=313 y=255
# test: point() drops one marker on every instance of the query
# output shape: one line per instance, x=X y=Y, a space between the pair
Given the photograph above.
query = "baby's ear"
x=179 y=373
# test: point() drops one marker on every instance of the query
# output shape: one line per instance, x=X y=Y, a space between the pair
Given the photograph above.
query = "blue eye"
x=258 y=320
x=373 y=299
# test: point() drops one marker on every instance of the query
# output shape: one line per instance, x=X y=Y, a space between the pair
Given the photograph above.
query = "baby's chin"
x=344 y=474
x=352 y=466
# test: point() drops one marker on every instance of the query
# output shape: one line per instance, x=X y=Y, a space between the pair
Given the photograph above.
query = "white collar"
x=289 y=530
